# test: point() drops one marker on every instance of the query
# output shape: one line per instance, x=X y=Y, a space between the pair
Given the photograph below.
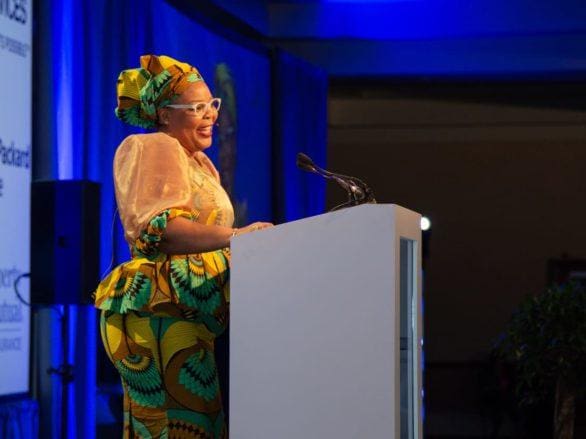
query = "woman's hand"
x=252 y=228
x=183 y=236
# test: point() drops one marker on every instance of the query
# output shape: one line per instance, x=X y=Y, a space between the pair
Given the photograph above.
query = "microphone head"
x=304 y=162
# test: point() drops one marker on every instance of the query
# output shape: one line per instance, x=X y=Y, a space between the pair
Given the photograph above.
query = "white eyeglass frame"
x=207 y=106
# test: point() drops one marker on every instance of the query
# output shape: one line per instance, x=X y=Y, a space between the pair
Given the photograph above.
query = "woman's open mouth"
x=205 y=131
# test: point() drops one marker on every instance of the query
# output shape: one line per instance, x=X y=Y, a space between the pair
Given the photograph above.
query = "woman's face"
x=193 y=132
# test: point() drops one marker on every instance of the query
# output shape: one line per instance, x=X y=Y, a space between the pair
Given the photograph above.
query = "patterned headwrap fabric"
x=158 y=81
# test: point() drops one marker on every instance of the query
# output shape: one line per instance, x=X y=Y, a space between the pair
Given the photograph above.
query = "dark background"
x=498 y=167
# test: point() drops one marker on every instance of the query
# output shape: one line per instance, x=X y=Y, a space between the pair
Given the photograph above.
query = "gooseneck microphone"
x=305 y=163
x=358 y=191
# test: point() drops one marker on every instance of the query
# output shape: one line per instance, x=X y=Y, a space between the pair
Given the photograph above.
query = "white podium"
x=325 y=329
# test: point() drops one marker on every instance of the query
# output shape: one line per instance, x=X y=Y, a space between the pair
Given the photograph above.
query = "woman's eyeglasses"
x=200 y=108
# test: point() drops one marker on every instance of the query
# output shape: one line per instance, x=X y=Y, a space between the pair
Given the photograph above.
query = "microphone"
x=305 y=163
x=358 y=191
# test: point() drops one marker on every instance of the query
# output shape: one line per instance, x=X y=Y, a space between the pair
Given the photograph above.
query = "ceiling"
x=425 y=37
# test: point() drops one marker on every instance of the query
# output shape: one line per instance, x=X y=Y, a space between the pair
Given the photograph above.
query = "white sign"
x=15 y=181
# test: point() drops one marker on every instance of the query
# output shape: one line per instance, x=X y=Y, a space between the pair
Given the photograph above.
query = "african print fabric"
x=161 y=313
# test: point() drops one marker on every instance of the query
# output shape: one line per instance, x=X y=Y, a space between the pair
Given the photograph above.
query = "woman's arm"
x=183 y=236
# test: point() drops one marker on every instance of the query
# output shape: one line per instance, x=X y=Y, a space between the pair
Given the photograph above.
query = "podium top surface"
x=393 y=209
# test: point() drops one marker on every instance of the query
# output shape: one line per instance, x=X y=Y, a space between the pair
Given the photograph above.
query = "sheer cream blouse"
x=153 y=172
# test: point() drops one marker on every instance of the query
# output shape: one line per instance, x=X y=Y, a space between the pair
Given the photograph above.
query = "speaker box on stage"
x=65 y=241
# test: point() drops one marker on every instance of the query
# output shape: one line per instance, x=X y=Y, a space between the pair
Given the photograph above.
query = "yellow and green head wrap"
x=158 y=81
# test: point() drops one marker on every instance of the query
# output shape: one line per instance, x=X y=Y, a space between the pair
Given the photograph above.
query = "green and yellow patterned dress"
x=161 y=313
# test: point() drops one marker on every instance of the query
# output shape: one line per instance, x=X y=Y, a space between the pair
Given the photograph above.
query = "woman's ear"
x=163 y=116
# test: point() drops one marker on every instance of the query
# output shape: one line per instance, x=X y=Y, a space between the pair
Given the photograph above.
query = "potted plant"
x=546 y=342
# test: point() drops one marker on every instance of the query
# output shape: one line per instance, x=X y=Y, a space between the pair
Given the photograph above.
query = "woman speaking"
x=163 y=309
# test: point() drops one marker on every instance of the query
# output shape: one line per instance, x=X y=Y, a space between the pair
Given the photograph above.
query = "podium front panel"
x=315 y=346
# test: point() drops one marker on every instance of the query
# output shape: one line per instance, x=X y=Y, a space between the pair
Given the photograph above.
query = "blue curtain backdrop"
x=80 y=46
x=300 y=125
x=19 y=419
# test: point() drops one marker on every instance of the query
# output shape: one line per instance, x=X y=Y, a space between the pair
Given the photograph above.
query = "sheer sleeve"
x=150 y=175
